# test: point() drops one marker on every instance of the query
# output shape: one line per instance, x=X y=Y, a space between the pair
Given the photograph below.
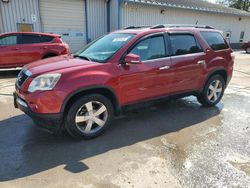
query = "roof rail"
x=138 y=27
x=181 y=25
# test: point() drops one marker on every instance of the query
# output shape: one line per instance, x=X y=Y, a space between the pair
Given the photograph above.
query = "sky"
x=212 y=1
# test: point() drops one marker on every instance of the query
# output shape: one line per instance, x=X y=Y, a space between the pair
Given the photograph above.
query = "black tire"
x=72 y=127
x=203 y=96
x=248 y=50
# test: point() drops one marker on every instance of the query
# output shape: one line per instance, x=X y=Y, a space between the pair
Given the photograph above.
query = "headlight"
x=44 y=82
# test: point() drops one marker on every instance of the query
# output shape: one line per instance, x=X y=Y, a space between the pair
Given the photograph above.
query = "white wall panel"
x=135 y=14
x=19 y=11
x=114 y=15
x=1 y=21
x=97 y=18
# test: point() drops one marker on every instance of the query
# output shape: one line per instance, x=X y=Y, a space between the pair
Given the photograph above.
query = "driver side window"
x=8 y=41
x=150 y=48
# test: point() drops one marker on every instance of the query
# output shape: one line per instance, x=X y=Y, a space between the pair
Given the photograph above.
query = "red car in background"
x=246 y=46
x=18 y=49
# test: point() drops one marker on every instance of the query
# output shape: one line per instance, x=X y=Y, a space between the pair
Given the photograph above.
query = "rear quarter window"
x=215 y=40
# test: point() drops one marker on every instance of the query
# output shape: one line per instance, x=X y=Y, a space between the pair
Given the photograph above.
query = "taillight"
x=66 y=48
x=233 y=56
x=57 y=40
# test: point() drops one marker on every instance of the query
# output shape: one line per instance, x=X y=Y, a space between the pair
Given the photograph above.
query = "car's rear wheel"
x=213 y=91
x=89 y=116
x=248 y=50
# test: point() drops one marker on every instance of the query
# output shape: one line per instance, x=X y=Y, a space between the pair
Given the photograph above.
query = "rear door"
x=10 y=51
x=149 y=79
x=31 y=48
x=188 y=62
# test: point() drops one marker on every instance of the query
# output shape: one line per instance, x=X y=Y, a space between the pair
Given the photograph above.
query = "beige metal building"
x=65 y=17
x=234 y=23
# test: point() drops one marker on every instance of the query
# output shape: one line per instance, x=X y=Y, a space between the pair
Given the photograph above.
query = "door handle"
x=164 y=68
x=15 y=48
x=201 y=62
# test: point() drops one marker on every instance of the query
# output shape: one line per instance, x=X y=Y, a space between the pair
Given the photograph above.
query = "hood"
x=56 y=64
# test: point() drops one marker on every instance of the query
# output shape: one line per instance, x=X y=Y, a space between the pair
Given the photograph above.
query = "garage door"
x=66 y=18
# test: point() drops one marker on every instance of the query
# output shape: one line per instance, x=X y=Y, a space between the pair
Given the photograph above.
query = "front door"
x=150 y=79
x=10 y=51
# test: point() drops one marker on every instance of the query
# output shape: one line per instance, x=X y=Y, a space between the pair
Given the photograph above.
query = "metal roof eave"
x=184 y=7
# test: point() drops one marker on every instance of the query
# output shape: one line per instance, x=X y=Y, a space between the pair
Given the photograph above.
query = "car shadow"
x=25 y=150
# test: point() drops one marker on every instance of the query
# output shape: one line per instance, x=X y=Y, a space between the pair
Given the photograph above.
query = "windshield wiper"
x=83 y=57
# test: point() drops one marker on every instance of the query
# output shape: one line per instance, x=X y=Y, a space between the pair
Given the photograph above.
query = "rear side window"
x=29 y=39
x=150 y=48
x=46 y=39
x=215 y=40
x=8 y=41
x=184 y=44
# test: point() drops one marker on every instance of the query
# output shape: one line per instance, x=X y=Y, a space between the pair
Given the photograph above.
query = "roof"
x=34 y=33
x=167 y=27
x=198 y=5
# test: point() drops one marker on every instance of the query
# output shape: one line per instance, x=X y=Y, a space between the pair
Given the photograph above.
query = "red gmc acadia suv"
x=82 y=93
x=18 y=49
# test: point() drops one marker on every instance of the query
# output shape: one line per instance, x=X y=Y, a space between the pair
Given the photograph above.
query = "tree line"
x=239 y=4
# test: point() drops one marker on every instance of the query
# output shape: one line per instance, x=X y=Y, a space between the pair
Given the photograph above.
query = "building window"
x=25 y=27
x=242 y=34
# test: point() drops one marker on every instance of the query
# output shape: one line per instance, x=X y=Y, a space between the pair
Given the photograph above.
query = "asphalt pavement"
x=176 y=143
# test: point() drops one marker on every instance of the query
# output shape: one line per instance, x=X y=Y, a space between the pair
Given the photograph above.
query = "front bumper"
x=51 y=122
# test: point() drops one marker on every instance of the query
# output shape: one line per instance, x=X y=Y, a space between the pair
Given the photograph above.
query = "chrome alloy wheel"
x=214 y=91
x=91 y=117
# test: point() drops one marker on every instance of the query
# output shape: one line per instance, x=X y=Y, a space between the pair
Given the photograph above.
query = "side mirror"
x=132 y=59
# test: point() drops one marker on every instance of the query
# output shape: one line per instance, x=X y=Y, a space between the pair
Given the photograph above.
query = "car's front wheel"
x=213 y=91
x=89 y=116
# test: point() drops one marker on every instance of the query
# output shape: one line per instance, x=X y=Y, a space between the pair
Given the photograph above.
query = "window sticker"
x=142 y=47
x=120 y=39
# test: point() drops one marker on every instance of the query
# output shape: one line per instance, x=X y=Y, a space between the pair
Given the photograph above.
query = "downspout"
x=1 y=21
x=119 y=12
x=108 y=16
x=86 y=19
x=40 y=17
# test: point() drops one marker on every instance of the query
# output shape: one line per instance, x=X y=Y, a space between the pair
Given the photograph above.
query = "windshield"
x=105 y=47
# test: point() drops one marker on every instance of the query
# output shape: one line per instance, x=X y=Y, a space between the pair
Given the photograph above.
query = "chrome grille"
x=22 y=77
